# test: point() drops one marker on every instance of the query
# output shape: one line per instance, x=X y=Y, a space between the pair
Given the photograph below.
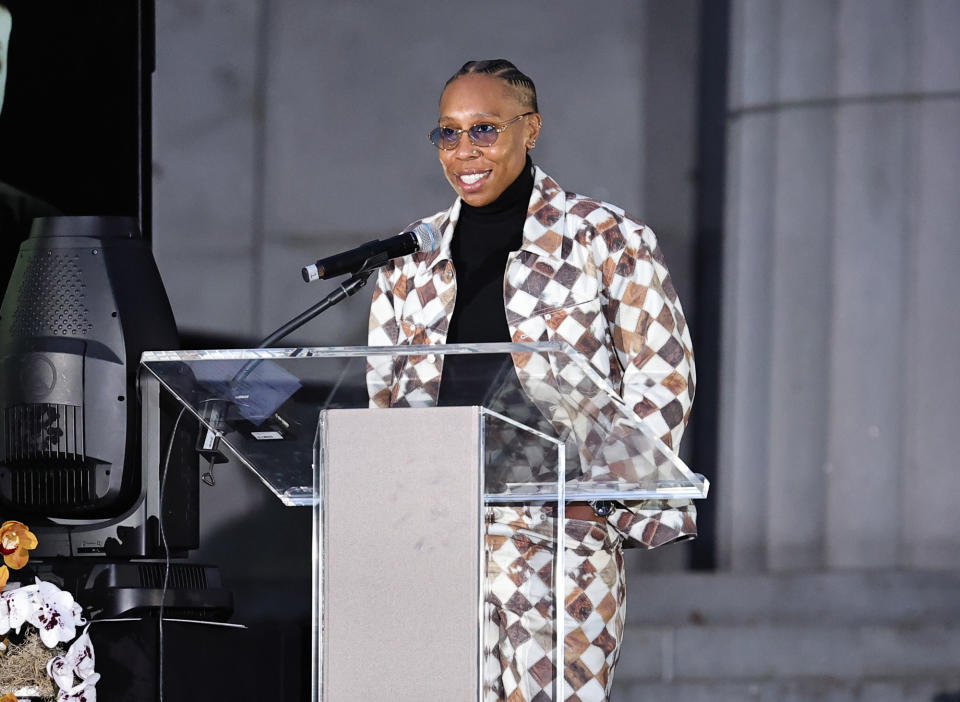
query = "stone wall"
x=289 y=130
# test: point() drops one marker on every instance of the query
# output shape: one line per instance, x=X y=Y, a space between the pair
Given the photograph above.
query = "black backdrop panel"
x=75 y=124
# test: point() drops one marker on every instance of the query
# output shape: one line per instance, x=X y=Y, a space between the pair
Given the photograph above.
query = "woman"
x=523 y=260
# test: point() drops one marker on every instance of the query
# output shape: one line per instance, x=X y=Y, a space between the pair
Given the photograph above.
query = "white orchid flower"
x=50 y=609
x=77 y=662
x=56 y=615
x=19 y=607
x=84 y=692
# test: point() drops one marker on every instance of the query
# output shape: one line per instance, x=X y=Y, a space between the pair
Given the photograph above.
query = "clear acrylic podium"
x=399 y=495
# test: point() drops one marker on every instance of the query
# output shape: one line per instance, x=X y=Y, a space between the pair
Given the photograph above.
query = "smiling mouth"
x=472 y=178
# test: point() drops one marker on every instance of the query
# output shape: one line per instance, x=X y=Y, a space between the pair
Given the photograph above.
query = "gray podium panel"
x=399 y=530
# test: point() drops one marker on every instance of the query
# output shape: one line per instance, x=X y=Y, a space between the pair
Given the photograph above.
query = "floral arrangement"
x=55 y=616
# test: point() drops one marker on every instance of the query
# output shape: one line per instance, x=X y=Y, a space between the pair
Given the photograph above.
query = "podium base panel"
x=400 y=573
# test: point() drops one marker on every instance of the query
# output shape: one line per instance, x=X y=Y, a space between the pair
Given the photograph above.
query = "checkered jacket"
x=586 y=274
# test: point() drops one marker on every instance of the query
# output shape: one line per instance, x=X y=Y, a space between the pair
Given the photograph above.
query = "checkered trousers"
x=520 y=660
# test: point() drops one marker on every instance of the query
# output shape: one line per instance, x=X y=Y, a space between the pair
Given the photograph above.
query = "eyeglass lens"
x=480 y=135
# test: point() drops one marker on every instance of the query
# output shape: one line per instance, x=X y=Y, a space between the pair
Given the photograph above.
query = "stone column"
x=840 y=315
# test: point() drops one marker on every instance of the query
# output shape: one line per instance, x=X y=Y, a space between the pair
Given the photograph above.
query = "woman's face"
x=479 y=174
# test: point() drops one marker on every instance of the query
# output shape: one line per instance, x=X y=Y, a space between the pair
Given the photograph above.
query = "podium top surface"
x=551 y=425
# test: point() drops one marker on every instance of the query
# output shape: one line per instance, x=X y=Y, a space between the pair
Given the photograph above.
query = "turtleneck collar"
x=515 y=197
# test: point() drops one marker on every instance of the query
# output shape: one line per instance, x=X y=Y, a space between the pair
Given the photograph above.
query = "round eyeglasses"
x=481 y=134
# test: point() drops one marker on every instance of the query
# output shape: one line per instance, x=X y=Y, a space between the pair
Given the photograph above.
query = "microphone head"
x=428 y=237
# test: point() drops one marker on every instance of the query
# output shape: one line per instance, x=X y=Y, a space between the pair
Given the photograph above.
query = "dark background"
x=76 y=117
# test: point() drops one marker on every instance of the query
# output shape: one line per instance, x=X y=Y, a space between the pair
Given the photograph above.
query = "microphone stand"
x=349 y=287
x=214 y=412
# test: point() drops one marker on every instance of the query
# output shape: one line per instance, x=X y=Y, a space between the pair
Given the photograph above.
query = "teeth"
x=471 y=178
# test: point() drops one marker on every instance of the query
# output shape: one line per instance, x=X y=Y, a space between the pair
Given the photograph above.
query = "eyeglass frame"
x=500 y=128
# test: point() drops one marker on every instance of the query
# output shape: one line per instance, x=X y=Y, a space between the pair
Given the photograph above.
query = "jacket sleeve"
x=652 y=343
x=383 y=330
x=649 y=332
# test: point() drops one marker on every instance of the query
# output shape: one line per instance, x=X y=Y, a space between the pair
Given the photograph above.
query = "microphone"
x=424 y=237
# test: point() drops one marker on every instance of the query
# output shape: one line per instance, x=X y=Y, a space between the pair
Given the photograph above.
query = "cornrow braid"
x=505 y=70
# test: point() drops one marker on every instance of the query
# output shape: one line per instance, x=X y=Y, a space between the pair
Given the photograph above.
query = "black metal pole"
x=345 y=290
x=711 y=165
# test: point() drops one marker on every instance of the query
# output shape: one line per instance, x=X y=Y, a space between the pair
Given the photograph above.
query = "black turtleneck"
x=483 y=238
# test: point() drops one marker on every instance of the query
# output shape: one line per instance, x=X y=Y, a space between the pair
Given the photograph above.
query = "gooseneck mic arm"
x=361 y=262
x=347 y=288
x=213 y=412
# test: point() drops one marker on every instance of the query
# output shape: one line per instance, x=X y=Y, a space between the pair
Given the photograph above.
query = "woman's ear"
x=533 y=130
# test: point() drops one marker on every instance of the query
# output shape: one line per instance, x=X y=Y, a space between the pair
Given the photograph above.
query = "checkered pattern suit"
x=587 y=274
x=520 y=607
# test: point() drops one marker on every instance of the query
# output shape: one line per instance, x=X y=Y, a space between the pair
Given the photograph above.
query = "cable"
x=166 y=548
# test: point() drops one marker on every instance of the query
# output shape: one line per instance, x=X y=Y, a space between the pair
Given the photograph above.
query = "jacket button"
x=546 y=316
x=431 y=358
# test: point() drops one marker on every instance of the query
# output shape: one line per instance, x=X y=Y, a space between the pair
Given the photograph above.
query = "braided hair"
x=524 y=88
